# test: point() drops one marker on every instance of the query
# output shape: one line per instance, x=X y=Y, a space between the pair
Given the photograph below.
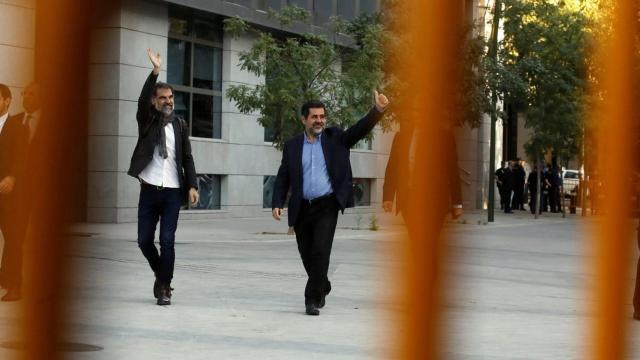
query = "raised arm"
x=144 y=101
x=358 y=131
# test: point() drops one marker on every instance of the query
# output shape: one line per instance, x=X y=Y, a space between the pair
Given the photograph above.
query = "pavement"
x=516 y=291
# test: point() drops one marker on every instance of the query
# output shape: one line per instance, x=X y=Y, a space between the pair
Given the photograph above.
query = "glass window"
x=269 y=134
x=268 y=183
x=267 y=191
x=209 y=190
x=207 y=67
x=208 y=30
x=181 y=104
x=179 y=25
x=202 y=121
x=269 y=4
x=362 y=191
x=179 y=62
x=322 y=11
x=194 y=67
x=368 y=6
x=347 y=9
x=206 y=118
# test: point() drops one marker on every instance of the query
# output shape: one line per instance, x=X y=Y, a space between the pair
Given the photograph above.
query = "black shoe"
x=165 y=295
x=636 y=315
x=508 y=212
x=322 y=302
x=312 y=309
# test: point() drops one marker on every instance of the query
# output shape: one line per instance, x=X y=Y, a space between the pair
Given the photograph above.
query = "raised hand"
x=381 y=101
x=156 y=60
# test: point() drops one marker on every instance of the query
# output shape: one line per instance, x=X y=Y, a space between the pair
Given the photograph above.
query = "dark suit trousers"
x=13 y=231
x=164 y=205
x=315 y=228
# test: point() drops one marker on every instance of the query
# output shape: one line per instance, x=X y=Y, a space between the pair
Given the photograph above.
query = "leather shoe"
x=312 y=309
x=165 y=295
x=322 y=302
x=13 y=294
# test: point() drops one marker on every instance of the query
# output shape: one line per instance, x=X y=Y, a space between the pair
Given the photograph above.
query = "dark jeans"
x=164 y=205
x=315 y=228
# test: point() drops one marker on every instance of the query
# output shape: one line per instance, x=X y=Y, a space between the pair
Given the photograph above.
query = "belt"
x=318 y=199
x=146 y=185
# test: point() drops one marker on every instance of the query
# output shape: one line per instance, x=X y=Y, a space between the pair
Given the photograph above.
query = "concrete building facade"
x=235 y=161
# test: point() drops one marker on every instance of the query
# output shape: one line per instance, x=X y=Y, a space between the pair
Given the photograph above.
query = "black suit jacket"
x=149 y=120
x=336 y=145
x=13 y=146
x=444 y=176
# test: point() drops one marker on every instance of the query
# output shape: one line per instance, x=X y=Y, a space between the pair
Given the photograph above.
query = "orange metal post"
x=426 y=63
x=613 y=238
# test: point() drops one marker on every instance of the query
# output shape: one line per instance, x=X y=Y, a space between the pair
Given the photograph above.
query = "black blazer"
x=336 y=145
x=13 y=146
x=149 y=119
x=445 y=176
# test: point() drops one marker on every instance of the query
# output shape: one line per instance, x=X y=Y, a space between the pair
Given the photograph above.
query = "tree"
x=542 y=71
x=309 y=66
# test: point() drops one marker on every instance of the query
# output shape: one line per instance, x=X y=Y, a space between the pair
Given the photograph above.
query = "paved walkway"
x=516 y=292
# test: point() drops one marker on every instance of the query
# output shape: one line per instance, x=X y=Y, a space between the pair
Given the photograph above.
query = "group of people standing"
x=516 y=188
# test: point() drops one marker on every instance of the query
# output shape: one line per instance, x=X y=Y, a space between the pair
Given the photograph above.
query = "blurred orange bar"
x=426 y=64
x=54 y=171
x=612 y=246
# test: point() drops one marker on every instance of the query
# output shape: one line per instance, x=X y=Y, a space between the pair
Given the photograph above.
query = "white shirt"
x=3 y=120
x=163 y=172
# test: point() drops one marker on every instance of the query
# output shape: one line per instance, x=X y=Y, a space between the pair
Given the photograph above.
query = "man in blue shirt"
x=316 y=169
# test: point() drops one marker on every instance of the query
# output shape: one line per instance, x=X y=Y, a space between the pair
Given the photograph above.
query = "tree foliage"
x=542 y=70
x=309 y=66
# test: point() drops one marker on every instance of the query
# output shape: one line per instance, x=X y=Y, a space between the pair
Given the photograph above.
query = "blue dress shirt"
x=315 y=178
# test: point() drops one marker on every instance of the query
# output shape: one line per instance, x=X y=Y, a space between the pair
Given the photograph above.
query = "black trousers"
x=507 y=198
x=159 y=205
x=14 y=219
x=315 y=227
x=518 y=194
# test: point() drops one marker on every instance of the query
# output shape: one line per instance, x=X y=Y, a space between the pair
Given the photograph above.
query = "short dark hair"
x=161 y=85
x=311 y=104
x=4 y=91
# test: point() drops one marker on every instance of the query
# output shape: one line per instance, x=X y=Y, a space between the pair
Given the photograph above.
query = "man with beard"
x=315 y=166
x=163 y=164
